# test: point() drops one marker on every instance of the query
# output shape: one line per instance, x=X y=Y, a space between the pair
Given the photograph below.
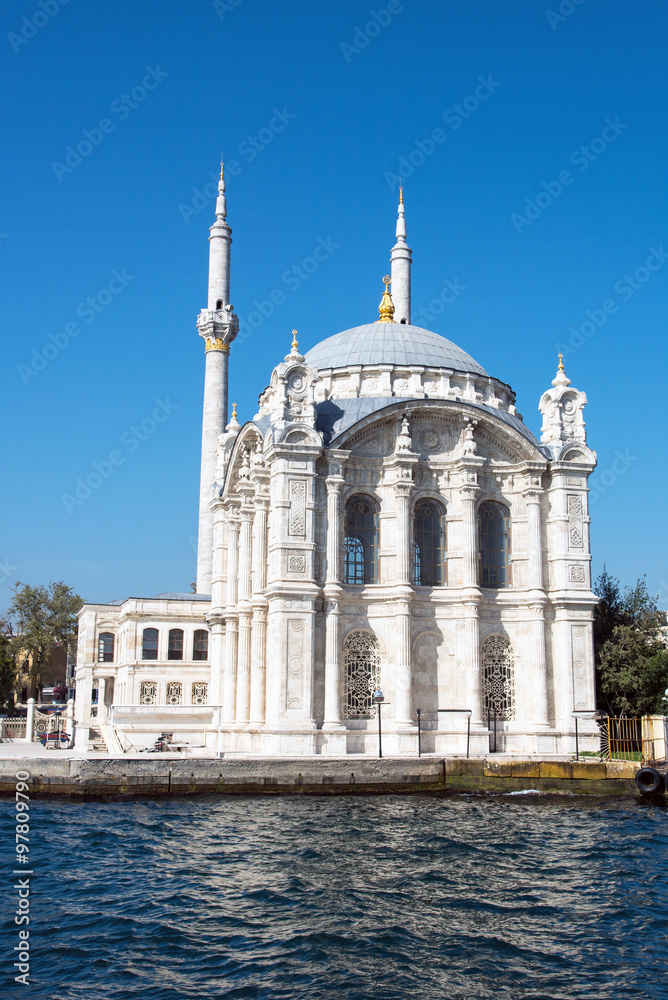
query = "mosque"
x=386 y=522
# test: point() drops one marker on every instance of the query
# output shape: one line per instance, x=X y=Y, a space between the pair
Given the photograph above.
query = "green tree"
x=7 y=666
x=631 y=658
x=42 y=617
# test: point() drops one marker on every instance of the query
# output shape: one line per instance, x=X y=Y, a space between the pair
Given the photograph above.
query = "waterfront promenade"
x=74 y=773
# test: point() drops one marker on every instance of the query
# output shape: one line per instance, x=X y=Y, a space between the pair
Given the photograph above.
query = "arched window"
x=175 y=644
x=362 y=675
x=361 y=541
x=429 y=544
x=498 y=677
x=494 y=544
x=200 y=693
x=149 y=649
x=105 y=647
x=174 y=693
x=201 y=645
x=148 y=693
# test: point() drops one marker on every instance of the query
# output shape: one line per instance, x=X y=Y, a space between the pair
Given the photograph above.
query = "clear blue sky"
x=319 y=105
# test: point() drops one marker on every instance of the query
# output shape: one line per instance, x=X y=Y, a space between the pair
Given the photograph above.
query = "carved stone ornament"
x=297 y=564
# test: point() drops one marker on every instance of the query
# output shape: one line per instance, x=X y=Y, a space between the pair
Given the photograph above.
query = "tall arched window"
x=498 y=677
x=201 y=644
x=429 y=544
x=175 y=644
x=149 y=649
x=362 y=675
x=361 y=541
x=494 y=544
x=105 y=647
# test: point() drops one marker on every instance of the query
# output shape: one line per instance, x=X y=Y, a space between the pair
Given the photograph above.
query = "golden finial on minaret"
x=386 y=307
x=401 y=193
x=221 y=169
x=561 y=363
x=234 y=411
x=294 y=345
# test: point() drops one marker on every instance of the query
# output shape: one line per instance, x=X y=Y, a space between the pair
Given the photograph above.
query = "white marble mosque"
x=385 y=521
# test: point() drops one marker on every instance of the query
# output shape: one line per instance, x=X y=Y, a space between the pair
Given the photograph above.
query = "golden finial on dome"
x=561 y=363
x=294 y=345
x=234 y=411
x=386 y=307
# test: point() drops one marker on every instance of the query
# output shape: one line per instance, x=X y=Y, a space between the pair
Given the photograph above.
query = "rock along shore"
x=88 y=778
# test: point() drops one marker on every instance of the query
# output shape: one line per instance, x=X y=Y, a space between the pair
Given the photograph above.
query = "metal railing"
x=454 y=711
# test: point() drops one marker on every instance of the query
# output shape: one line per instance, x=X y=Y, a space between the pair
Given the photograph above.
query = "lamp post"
x=379 y=698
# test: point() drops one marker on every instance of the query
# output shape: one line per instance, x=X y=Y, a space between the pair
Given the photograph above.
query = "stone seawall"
x=78 y=778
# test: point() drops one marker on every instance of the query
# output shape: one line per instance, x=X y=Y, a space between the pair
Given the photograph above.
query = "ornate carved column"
x=334 y=529
x=258 y=664
x=258 y=656
x=333 y=591
x=231 y=629
x=402 y=493
x=101 y=707
x=471 y=619
x=332 y=664
x=468 y=496
x=403 y=679
x=243 y=670
x=535 y=582
x=534 y=539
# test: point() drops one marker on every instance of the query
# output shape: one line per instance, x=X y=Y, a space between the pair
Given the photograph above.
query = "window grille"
x=361 y=541
x=200 y=693
x=362 y=675
x=498 y=677
x=150 y=644
x=175 y=644
x=429 y=544
x=174 y=693
x=494 y=544
x=201 y=644
x=148 y=693
x=105 y=647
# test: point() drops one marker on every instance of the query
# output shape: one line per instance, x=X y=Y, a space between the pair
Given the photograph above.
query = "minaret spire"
x=400 y=262
x=218 y=326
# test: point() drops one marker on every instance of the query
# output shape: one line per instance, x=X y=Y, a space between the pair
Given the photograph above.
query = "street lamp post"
x=379 y=698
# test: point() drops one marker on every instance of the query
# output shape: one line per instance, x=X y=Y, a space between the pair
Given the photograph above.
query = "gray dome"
x=390 y=344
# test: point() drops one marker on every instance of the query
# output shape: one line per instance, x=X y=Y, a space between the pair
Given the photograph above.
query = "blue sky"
x=320 y=106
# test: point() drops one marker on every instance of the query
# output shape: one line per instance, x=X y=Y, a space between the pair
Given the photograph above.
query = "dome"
x=390 y=344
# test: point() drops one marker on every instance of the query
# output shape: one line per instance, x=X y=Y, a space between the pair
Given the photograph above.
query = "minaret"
x=400 y=259
x=218 y=326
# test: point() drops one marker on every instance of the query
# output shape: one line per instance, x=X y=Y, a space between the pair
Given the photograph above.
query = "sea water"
x=390 y=898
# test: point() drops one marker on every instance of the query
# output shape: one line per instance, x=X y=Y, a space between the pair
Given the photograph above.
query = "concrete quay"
x=167 y=774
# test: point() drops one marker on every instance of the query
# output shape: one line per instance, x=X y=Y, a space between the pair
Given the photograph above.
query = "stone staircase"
x=96 y=740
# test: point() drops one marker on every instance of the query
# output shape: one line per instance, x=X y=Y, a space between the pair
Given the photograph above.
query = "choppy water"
x=355 y=898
